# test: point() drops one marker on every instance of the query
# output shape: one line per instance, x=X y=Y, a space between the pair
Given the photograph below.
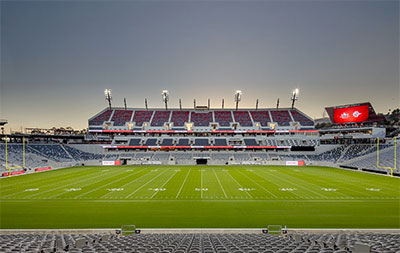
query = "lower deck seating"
x=369 y=161
x=52 y=151
x=332 y=155
x=79 y=155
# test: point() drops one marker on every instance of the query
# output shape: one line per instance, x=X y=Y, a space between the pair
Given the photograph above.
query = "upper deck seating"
x=303 y=120
x=281 y=117
x=179 y=118
x=201 y=118
x=160 y=117
x=120 y=117
x=261 y=116
x=99 y=119
x=224 y=118
x=142 y=116
x=243 y=118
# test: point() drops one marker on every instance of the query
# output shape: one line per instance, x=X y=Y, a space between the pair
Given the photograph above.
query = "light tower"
x=165 y=98
x=107 y=93
x=295 y=96
x=238 y=97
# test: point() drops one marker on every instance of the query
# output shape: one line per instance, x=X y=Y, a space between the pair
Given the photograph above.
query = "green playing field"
x=200 y=197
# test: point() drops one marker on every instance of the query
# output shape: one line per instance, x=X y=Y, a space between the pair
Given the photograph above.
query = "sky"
x=57 y=57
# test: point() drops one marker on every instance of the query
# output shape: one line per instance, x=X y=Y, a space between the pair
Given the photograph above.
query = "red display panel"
x=14 y=173
x=351 y=114
x=42 y=169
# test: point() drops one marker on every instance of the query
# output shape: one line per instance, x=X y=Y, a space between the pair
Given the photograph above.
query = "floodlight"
x=165 y=98
x=238 y=97
x=107 y=93
x=295 y=96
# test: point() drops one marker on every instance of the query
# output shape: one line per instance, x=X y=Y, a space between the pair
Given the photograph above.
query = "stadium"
x=199 y=126
x=256 y=169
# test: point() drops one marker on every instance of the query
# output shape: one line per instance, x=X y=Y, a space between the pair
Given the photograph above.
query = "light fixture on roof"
x=107 y=93
x=165 y=98
x=238 y=97
x=295 y=96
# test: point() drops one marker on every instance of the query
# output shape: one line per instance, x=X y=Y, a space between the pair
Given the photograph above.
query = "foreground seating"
x=206 y=243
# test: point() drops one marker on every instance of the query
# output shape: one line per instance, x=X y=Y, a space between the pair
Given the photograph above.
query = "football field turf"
x=199 y=197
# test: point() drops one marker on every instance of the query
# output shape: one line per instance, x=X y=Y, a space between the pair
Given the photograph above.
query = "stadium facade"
x=202 y=135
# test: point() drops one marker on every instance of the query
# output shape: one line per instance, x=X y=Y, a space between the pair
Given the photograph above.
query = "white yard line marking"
x=177 y=195
x=63 y=186
x=239 y=184
x=56 y=173
x=82 y=186
x=220 y=183
x=105 y=195
x=257 y=184
x=271 y=174
x=104 y=185
x=163 y=185
x=307 y=183
x=350 y=186
x=145 y=184
x=56 y=178
x=201 y=183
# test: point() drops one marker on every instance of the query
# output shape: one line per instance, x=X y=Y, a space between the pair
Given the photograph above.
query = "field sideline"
x=199 y=197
